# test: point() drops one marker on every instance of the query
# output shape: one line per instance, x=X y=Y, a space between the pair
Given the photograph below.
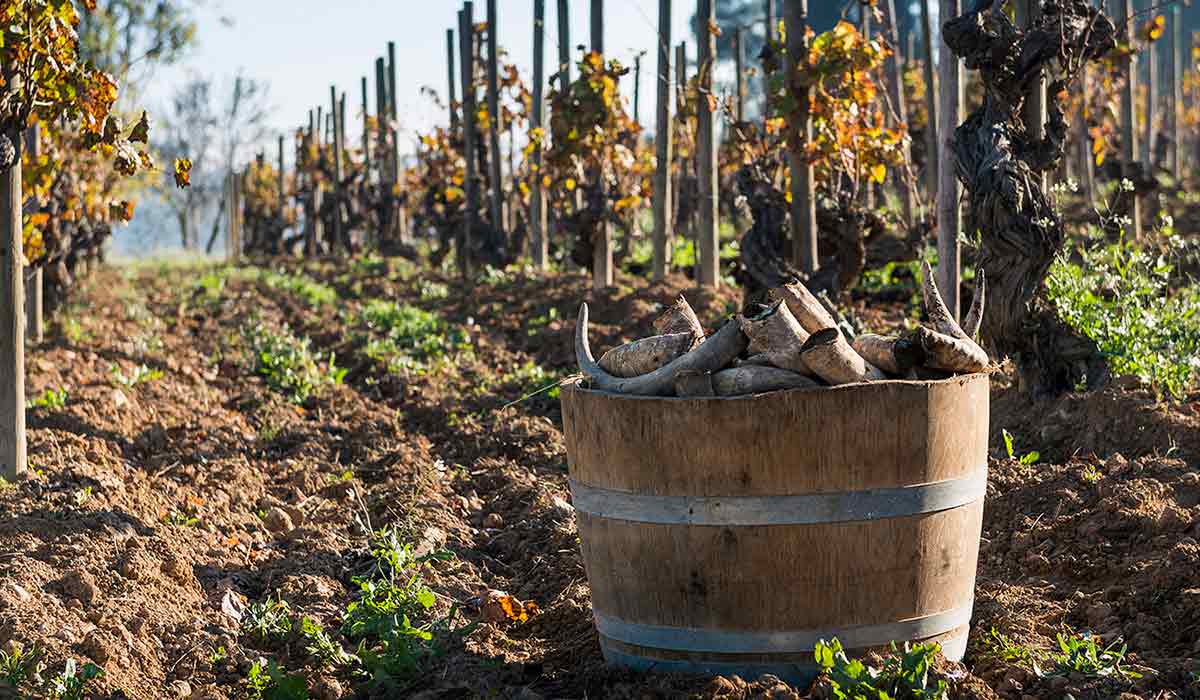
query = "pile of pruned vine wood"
x=793 y=343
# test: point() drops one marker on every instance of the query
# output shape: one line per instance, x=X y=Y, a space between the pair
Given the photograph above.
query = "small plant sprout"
x=267 y=619
x=72 y=683
x=51 y=400
x=1084 y=654
x=1028 y=458
x=138 y=375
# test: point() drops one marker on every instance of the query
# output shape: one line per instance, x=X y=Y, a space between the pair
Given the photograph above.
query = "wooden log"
x=537 y=208
x=805 y=306
x=692 y=385
x=708 y=252
x=879 y=351
x=663 y=145
x=803 y=189
x=753 y=379
x=711 y=355
x=722 y=499
x=950 y=353
x=12 y=320
x=645 y=355
x=832 y=359
x=680 y=318
x=777 y=337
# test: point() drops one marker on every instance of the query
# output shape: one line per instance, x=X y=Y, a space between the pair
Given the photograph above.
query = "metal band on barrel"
x=802 y=509
x=798 y=641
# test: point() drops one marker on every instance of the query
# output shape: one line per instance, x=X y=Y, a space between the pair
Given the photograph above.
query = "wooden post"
x=895 y=69
x=864 y=178
x=321 y=124
x=366 y=130
x=381 y=112
x=12 y=321
x=663 y=146
x=466 y=47
x=393 y=141
x=686 y=223
x=602 y=242
x=949 y=214
x=769 y=33
x=337 y=172
x=706 y=153
x=282 y=182
x=637 y=89
x=1151 y=105
x=1034 y=116
x=564 y=43
x=1129 y=135
x=739 y=62
x=537 y=210
x=932 y=150
x=34 y=323
x=493 y=101
x=1087 y=162
x=314 y=230
x=450 y=80
x=1176 y=62
x=804 y=204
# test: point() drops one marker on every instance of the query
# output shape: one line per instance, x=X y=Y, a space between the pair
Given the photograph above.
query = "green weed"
x=1003 y=648
x=312 y=293
x=72 y=682
x=1118 y=294
x=268 y=619
x=267 y=680
x=432 y=291
x=137 y=375
x=19 y=668
x=287 y=363
x=74 y=331
x=1083 y=654
x=1028 y=458
x=409 y=338
x=321 y=645
x=904 y=674
x=51 y=400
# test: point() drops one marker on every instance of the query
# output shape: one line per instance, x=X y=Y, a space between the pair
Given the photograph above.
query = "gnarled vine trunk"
x=1000 y=163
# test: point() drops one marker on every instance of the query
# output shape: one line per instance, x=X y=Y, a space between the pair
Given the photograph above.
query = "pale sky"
x=301 y=47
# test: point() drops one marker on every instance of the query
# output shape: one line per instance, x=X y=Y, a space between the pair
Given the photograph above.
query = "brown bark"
x=805 y=306
x=948 y=353
x=975 y=315
x=645 y=355
x=776 y=337
x=831 y=358
x=1001 y=167
x=680 y=318
x=879 y=351
x=752 y=379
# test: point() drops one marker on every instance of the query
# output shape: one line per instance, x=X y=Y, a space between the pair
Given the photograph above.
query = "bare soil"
x=159 y=511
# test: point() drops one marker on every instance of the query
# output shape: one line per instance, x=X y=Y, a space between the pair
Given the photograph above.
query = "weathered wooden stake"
x=381 y=110
x=451 y=80
x=739 y=62
x=493 y=106
x=34 y=318
x=867 y=193
x=1034 y=116
x=12 y=323
x=337 y=170
x=804 y=204
x=949 y=214
x=1176 y=62
x=466 y=45
x=564 y=43
x=1151 y=105
x=537 y=212
x=932 y=148
x=706 y=153
x=282 y=193
x=602 y=243
x=366 y=128
x=769 y=33
x=637 y=88
x=1129 y=135
x=895 y=68
x=663 y=146
x=686 y=223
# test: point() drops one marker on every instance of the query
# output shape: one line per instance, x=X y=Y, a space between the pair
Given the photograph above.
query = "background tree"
x=190 y=128
x=130 y=38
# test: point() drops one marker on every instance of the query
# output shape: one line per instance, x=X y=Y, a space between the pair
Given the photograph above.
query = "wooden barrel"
x=729 y=535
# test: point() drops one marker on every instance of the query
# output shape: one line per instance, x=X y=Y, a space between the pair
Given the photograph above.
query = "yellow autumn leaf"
x=570 y=184
x=878 y=173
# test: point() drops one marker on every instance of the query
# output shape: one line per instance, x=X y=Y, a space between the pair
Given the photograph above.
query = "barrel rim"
x=575 y=384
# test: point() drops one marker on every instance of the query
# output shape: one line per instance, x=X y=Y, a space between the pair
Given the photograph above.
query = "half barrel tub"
x=730 y=535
